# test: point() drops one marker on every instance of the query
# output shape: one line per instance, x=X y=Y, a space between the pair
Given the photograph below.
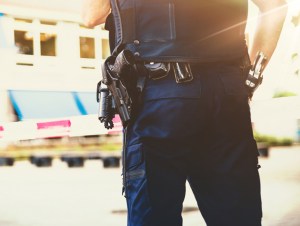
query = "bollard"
x=32 y=159
x=7 y=161
x=41 y=161
x=64 y=158
x=263 y=149
x=10 y=161
x=73 y=160
x=111 y=162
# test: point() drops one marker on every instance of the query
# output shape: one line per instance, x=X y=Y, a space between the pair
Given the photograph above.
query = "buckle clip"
x=182 y=72
x=157 y=70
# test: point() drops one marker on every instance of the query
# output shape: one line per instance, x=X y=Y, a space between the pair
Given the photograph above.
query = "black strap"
x=110 y=26
x=142 y=74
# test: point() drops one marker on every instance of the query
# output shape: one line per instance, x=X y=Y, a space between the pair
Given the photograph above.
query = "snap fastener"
x=137 y=54
x=136 y=42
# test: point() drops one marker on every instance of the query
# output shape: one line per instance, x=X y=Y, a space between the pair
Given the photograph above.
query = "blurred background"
x=60 y=167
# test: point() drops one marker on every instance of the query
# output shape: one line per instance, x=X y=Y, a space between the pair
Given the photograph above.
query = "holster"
x=124 y=81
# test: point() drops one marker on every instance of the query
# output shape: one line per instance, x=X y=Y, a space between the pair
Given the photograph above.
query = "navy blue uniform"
x=199 y=131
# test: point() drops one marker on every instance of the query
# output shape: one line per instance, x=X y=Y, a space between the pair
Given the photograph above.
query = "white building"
x=50 y=63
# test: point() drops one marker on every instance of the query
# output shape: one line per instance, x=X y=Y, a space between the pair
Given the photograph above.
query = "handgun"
x=113 y=69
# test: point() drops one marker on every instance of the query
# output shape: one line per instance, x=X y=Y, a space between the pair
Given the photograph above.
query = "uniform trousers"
x=198 y=132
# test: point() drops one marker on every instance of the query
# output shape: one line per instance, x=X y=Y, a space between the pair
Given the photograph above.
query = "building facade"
x=50 y=63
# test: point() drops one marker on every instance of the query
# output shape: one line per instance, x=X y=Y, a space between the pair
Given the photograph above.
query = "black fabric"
x=176 y=30
x=198 y=132
x=110 y=27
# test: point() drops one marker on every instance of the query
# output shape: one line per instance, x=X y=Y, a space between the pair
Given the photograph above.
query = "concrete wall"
x=279 y=117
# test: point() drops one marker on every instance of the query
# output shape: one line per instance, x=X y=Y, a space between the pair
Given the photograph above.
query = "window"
x=46 y=22
x=48 y=44
x=87 y=47
x=105 y=48
x=24 y=42
x=22 y=20
x=85 y=27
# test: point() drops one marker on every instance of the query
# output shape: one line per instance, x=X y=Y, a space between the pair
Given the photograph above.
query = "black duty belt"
x=183 y=72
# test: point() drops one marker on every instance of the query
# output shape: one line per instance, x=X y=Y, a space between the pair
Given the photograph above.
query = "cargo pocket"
x=135 y=166
x=233 y=81
x=234 y=93
x=135 y=175
x=134 y=157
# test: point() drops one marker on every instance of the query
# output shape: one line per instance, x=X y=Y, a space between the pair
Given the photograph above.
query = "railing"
x=63 y=127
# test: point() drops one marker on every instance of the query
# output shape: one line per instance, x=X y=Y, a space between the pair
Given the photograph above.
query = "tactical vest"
x=180 y=30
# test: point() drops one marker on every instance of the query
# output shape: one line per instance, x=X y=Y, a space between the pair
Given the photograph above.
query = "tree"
x=296 y=22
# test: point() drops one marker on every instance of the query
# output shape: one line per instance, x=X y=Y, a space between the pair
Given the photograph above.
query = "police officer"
x=196 y=129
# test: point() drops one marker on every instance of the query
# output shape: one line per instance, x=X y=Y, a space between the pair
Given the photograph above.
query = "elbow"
x=94 y=12
x=277 y=5
x=90 y=19
x=283 y=5
x=86 y=22
x=91 y=22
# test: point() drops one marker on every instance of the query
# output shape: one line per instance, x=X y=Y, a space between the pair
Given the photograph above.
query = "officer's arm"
x=272 y=14
x=94 y=12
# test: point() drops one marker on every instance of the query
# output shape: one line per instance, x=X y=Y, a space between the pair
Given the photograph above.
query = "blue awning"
x=3 y=41
x=43 y=104
x=50 y=104
x=86 y=102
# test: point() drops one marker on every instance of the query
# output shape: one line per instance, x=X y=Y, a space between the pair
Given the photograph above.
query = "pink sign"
x=1 y=131
x=51 y=124
x=117 y=126
x=53 y=129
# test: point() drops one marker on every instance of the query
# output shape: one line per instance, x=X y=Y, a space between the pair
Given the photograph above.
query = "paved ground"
x=91 y=196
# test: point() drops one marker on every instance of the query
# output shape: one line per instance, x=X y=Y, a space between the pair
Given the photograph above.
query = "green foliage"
x=283 y=94
x=110 y=147
x=295 y=56
x=273 y=141
x=296 y=20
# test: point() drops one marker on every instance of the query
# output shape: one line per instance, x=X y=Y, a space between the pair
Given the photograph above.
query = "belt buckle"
x=182 y=72
x=158 y=70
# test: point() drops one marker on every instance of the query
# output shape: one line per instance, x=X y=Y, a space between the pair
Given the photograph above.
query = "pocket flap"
x=168 y=88
x=134 y=156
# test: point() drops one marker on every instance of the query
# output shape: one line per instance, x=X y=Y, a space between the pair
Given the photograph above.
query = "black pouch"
x=158 y=70
x=110 y=26
x=182 y=72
